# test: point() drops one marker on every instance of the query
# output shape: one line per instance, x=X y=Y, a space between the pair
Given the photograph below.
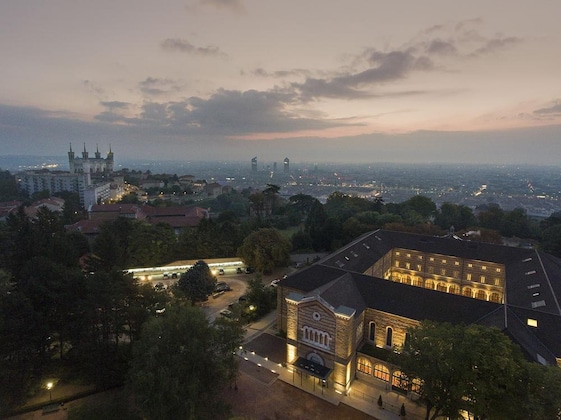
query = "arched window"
x=400 y=381
x=429 y=284
x=418 y=281
x=467 y=292
x=441 y=287
x=381 y=372
x=407 y=280
x=416 y=385
x=495 y=297
x=389 y=336
x=407 y=338
x=372 y=331
x=364 y=365
x=480 y=294
x=454 y=289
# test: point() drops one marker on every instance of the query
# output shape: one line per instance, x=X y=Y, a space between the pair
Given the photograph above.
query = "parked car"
x=275 y=282
x=221 y=272
x=222 y=286
x=248 y=270
x=239 y=270
x=174 y=275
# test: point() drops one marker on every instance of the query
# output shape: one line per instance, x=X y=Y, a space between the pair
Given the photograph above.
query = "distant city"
x=536 y=189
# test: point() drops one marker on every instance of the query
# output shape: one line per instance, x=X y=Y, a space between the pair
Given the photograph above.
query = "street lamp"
x=50 y=388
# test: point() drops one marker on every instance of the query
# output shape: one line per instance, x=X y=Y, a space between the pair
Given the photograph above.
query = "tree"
x=181 y=363
x=265 y=250
x=197 y=283
x=459 y=216
x=430 y=354
x=474 y=368
x=421 y=205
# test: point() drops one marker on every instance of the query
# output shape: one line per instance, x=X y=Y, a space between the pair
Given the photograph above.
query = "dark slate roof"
x=547 y=332
x=310 y=278
x=533 y=287
x=421 y=304
x=524 y=268
x=344 y=293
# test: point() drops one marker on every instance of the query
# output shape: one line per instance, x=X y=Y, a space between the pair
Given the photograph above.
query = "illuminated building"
x=371 y=291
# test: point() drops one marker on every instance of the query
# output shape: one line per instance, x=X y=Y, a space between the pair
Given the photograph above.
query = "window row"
x=316 y=337
x=380 y=371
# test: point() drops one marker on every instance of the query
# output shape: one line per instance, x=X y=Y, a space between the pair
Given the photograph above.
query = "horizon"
x=227 y=80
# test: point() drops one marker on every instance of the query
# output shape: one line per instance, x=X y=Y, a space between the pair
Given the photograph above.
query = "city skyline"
x=317 y=81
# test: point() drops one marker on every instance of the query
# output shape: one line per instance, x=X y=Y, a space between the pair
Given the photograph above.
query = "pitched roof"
x=532 y=287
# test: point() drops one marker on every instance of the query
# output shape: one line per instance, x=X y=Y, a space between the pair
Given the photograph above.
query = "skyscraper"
x=286 y=165
x=254 y=164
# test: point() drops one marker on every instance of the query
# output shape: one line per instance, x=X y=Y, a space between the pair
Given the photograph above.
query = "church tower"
x=109 y=160
x=71 y=160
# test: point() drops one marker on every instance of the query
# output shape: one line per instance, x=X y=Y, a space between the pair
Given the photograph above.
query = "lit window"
x=364 y=365
x=419 y=267
x=382 y=372
x=470 y=265
x=397 y=264
x=443 y=261
x=408 y=255
x=532 y=322
x=482 y=279
x=389 y=337
x=372 y=331
x=442 y=271
x=408 y=266
x=456 y=263
x=497 y=281
x=397 y=253
x=468 y=276
x=498 y=270
x=484 y=267
x=431 y=259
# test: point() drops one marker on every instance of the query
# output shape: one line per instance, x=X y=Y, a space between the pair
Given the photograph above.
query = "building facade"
x=90 y=165
x=341 y=312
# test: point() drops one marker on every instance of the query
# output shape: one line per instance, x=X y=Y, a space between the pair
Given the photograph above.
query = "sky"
x=313 y=80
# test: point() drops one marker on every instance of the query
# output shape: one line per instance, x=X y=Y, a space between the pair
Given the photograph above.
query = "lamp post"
x=50 y=388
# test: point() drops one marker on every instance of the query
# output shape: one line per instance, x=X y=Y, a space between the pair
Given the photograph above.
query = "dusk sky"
x=313 y=80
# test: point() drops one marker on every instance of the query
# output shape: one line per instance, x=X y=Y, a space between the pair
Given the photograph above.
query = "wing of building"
x=369 y=292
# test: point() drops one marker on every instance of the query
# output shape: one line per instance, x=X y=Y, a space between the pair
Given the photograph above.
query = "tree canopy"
x=197 y=283
x=265 y=250
x=182 y=363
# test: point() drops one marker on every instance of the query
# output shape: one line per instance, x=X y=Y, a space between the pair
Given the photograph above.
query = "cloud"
x=92 y=87
x=492 y=46
x=441 y=47
x=233 y=5
x=115 y=104
x=182 y=45
x=383 y=67
x=226 y=113
x=549 y=111
x=281 y=74
x=154 y=87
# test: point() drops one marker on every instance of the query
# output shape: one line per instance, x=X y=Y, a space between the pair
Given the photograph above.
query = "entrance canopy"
x=312 y=368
